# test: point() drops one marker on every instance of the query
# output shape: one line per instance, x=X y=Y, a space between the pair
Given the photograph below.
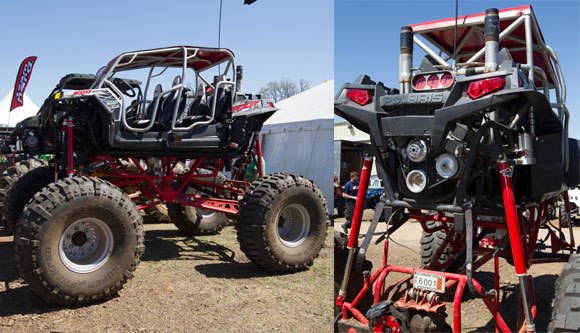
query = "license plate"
x=431 y=282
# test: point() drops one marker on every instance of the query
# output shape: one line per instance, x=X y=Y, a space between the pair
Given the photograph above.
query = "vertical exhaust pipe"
x=406 y=59
x=491 y=34
x=239 y=77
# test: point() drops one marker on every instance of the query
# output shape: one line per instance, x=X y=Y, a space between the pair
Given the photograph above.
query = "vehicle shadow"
x=8 y=273
x=170 y=245
x=544 y=286
x=233 y=270
x=16 y=298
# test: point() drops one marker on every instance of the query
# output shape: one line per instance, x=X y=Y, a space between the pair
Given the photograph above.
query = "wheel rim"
x=205 y=213
x=86 y=245
x=293 y=225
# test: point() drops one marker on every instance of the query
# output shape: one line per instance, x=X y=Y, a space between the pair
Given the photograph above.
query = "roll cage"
x=520 y=34
x=200 y=60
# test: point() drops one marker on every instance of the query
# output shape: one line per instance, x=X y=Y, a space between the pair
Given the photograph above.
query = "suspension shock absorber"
x=515 y=235
x=259 y=154
x=352 y=244
x=68 y=127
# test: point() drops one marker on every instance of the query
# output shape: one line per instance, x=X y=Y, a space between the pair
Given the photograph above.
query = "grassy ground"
x=184 y=284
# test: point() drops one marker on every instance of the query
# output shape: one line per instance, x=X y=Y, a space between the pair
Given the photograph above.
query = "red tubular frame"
x=359 y=207
x=513 y=221
x=159 y=187
x=69 y=130
x=522 y=251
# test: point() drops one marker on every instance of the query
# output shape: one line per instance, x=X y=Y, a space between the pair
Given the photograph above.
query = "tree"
x=283 y=88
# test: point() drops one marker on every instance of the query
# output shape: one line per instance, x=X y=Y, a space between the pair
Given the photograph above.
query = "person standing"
x=349 y=194
x=252 y=172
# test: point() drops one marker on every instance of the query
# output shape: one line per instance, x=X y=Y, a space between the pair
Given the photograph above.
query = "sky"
x=271 y=39
x=367 y=37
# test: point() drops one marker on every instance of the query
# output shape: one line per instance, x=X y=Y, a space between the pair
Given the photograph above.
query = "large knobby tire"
x=193 y=221
x=282 y=222
x=566 y=307
x=23 y=189
x=78 y=241
x=355 y=281
x=430 y=242
x=9 y=177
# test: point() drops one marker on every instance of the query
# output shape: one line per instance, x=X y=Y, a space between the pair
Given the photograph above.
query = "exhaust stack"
x=239 y=77
x=406 y=59
x=491 y=34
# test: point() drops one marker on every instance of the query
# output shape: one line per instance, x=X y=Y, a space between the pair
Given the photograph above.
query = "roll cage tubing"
x=532 y=43
x=159 y=57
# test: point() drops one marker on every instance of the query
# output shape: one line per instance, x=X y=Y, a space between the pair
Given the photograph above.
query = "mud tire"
x=356 y=281
x=23 y=189
x=196 y=222
x=430 y=242
x=566 y=306
x=9 y=176
x=43 y=224
x=265 y=235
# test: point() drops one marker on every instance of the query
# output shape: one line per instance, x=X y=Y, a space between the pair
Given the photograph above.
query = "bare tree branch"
x=283 y=88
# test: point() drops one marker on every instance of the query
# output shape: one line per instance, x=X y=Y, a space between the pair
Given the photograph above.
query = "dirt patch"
x=475 y=316
x=183 y=284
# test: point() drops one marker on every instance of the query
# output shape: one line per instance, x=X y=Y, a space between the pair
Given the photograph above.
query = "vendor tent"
x=26 y=110
x=299 y=137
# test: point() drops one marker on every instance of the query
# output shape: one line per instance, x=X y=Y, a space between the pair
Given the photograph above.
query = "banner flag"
x=21 y=82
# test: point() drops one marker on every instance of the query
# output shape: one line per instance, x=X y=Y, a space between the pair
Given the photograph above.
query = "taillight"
x=446 y=80
x=484 y=87
x=419 y=82
x=432 y=81
x=359 y=96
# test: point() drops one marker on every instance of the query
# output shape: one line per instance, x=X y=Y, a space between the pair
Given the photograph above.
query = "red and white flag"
x=21 y=82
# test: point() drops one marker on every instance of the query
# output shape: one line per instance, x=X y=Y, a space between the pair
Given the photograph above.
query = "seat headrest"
x=176 y=80
x=158 y=89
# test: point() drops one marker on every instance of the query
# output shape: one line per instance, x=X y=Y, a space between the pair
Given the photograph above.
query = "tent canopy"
x=28 y=109
x=299 y=137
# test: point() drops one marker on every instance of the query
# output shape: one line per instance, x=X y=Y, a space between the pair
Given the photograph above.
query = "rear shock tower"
x=393 y=303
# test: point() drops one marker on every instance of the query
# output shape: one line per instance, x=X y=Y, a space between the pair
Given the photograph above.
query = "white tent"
x=299 y=137
x=26 y=110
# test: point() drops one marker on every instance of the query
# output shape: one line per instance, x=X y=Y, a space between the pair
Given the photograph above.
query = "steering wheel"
x=129 y=92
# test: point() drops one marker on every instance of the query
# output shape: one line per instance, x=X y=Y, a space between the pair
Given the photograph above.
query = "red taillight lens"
x=419 y=82
x=359 y=96
x=484 y=87
x=446 y=80
x=433 y=81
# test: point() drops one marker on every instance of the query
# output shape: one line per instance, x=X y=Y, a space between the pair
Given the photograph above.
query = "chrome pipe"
x=406 y=59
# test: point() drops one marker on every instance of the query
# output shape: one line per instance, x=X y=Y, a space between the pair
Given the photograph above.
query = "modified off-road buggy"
x=121 y=135
x=474 y=146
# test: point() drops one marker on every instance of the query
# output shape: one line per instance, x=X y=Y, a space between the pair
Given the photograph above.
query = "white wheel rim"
x=86 y=245
x=293 y=225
